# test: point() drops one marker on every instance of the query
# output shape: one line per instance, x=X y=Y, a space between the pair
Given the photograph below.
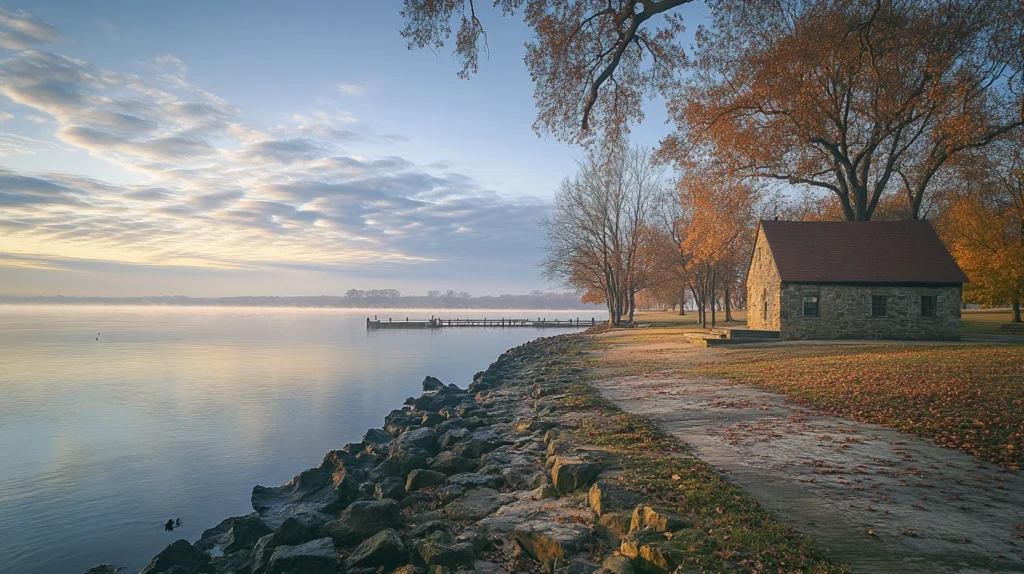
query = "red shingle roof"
x=860 y=252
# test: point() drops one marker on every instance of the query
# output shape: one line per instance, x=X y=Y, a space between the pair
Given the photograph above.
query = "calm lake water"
x=178 y=412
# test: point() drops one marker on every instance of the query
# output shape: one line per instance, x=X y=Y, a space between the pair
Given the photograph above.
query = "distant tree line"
x=353 y=298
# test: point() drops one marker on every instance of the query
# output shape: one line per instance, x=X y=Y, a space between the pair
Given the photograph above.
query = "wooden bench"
x=1011 y=329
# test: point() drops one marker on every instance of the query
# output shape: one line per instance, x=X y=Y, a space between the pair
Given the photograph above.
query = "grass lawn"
x=672 y=319
x=984 y=321
x=970 y=398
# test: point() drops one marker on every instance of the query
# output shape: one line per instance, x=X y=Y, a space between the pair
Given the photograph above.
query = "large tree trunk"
x=712 y=310
x=611 y=299
x=632 y=304
x=712 y=289
x=623 y=304
x=1016 y=311
x=728 y=306
x=682 y=301
x=696 y=304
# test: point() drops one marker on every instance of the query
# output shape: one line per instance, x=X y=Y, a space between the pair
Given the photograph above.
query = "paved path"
x=883 y=500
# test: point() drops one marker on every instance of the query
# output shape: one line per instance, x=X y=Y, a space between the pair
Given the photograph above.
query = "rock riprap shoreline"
x=487 y=479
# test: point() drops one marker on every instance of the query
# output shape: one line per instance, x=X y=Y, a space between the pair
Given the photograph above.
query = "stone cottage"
x=853 y=280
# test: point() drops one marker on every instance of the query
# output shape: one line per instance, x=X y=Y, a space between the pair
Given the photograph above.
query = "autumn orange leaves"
x=967 y=397
x=983 y=223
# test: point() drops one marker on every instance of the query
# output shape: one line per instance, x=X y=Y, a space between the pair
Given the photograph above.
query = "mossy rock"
x=660 y=553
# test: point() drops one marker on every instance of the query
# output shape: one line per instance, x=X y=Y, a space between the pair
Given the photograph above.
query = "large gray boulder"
x=449 y=493
x=657 y=553
x=613 y=526
x=618 y=564
x=429 y=527
x=422 y=437
x=377 y=436
x=551 y=542
x=450 y=463
x=431 y=419
x=244 y=532
x=571 y=473
x=362 y=519
x=608 y=495
x=656 y=519
x=295 y=530
x=384 y=549
x=402 y=460
x=391 y=487
x=432 y=384
x=468 y=480
x=421 y=478
x=479 y=443
x=314 y=557
x=178 y=554
x=438 y=550
x=328 y=487
x=398 y=421
x=453 y=437
x=477 y=504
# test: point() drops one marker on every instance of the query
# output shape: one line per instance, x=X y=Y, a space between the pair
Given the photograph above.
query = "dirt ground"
x=883 y=500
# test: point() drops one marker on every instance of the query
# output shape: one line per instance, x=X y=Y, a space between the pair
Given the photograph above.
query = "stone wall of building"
x=763 y=286
x=844 y=312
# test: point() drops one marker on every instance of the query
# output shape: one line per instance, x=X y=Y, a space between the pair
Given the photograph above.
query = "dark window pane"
x=928 y=306
x=878 y=306
x=811 y=305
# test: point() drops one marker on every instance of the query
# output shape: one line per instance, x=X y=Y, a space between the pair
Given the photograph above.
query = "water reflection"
x=178 y=412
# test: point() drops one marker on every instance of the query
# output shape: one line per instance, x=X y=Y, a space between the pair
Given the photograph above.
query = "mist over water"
x=114 y=419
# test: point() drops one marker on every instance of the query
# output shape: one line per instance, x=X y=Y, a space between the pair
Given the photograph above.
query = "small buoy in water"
x=169 y=526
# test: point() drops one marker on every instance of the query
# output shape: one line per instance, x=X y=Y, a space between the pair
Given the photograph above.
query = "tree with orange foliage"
x=718 y=215
x=983 y=225
x=668 y=280
x=856 y=98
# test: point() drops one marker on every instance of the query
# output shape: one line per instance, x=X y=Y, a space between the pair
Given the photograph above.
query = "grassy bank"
x=970 y=398
x=741 y=536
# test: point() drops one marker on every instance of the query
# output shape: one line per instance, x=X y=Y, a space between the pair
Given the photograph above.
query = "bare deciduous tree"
x=594 y=238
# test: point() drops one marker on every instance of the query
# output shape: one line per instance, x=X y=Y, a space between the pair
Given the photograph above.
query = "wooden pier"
x=442 y=323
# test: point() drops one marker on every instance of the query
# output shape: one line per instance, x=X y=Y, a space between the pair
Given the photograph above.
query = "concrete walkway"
x=883 y=500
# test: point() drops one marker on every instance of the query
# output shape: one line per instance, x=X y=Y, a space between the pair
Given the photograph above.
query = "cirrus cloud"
x=220 y=190
x=19 y=31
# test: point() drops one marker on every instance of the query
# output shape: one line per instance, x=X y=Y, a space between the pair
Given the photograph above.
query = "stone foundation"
x=844 y=312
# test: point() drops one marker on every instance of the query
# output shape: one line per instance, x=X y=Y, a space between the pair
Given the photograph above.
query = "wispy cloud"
x=14 y=144
x=222 y=191
x=351 y=89
x=20 y=31
x=4 y=116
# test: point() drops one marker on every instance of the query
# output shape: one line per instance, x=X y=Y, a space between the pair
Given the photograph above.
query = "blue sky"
x=223 y=148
